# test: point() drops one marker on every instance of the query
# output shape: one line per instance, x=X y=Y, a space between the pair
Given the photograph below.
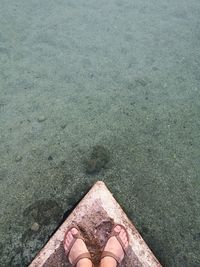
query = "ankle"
x=84 y=263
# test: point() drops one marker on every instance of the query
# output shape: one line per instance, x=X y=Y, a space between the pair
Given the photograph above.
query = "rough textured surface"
x=95 y=216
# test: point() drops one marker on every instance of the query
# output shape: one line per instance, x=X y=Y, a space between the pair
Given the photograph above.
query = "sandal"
x=76 y=236
x=116 y=234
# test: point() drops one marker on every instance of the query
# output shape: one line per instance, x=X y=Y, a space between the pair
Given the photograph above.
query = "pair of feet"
x=115 y=246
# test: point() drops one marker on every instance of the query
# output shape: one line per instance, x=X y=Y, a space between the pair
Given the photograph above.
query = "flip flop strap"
x=121 y=243
x=116 y=234
x=81 y=256
x=110 y=254
x=75 y=237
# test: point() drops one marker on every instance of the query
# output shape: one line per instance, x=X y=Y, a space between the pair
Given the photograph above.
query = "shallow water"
x=124 y=75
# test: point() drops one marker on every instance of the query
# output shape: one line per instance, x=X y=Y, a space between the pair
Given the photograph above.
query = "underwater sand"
x=123 y=75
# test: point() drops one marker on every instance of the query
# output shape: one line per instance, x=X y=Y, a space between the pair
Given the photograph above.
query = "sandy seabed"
x=122 y=75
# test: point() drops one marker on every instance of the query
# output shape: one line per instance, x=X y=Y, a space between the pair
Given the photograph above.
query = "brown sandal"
x=116 y=234
x=76 y=236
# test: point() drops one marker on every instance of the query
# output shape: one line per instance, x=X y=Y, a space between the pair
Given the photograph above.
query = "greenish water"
x=123 y=75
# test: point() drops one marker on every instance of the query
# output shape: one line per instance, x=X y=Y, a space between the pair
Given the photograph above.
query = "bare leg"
x=114 y=246
x=78 y=248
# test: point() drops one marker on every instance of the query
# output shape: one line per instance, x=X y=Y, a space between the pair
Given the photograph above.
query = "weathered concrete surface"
x=95 y=215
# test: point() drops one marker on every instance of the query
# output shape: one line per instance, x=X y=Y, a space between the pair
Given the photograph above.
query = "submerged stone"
x=100 y=156
x=44 y=212
x=41 y=118
x=40 y=219
x=35 y=227
x=18 y=158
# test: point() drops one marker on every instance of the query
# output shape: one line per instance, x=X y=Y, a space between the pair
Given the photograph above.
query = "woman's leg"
x=77 y=249
x=114 y=247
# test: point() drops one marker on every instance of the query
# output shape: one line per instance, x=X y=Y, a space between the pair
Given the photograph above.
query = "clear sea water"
x=122 y=75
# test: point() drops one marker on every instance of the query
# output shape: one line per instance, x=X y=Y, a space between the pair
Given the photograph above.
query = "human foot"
x=76 y=249
x=116 y=246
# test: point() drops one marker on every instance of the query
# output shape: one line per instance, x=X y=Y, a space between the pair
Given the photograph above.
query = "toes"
x=118 y=228
x=71 y=233
x=74 y=231
x=124 y=237
x=69 y=237
x=122 y=234
x=66 y=246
